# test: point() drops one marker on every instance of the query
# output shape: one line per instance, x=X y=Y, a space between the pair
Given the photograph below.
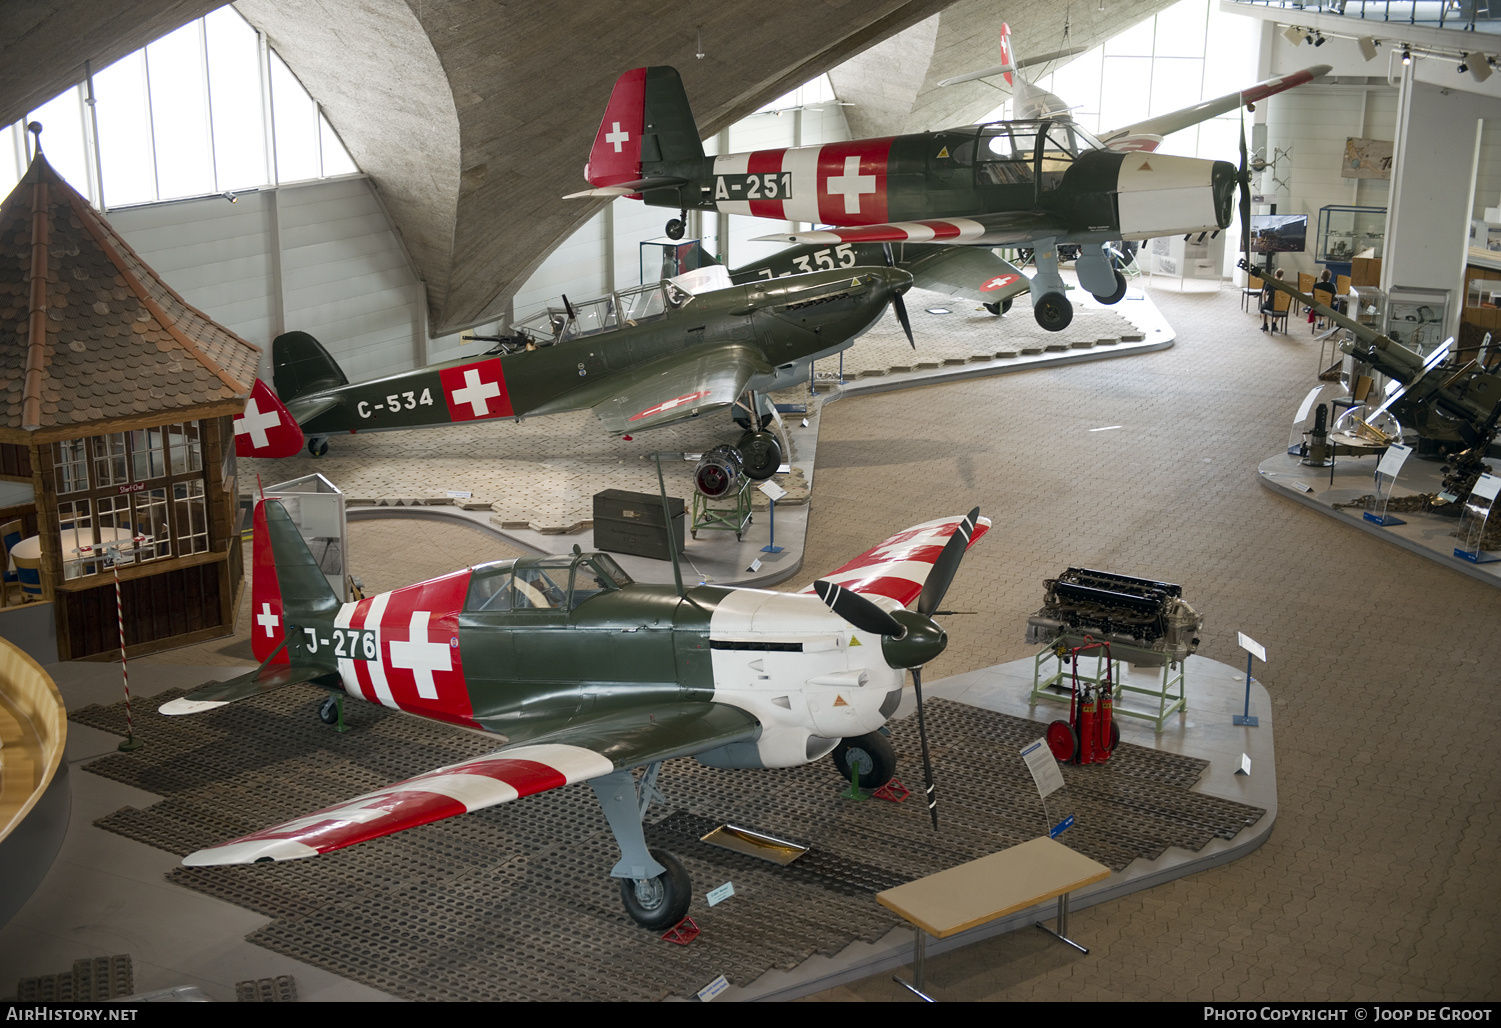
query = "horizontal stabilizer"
x=261 y=680
x=628 y=188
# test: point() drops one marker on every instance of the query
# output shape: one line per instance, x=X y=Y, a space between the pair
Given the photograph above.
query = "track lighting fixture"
x=1406 y=54
x=1319 y=41
x=1293 y=34
x=1367 y=47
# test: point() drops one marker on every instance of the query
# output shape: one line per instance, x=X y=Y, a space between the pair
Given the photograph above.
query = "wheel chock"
x=893 y=792
x=682 y=933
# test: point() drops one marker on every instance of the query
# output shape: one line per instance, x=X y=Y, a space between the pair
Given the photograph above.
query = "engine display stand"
x=728 y=514
x=1171 y=693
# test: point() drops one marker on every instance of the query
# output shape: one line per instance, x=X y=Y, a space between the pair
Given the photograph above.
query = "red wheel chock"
x=682 y=933
x=893 y=791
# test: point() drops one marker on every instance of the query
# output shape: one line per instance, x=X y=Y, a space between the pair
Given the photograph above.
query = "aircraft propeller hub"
x=921 y=642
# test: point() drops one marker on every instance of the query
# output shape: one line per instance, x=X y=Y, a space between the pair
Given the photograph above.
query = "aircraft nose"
x=1223 y=181
x=897 y=280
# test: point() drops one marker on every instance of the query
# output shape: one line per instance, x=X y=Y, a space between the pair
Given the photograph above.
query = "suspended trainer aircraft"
x=586 y=675
x=640 y=358
x=1034 y=182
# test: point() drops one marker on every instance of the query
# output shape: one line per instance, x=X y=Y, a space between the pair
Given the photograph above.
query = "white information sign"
x=1252 y=647
x=1392 y=459
x=1486 y=487
x=719 y=895
x=772 y=490
x=459 y=494
x=1307 y=405
x=713 y=989
x=1245 y=765
x=1044 y=768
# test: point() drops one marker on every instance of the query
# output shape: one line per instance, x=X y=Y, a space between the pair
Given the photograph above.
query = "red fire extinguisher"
x=1090 y=734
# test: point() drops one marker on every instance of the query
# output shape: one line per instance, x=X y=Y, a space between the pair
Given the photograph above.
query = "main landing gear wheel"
x=999 y=307
x=760 y=455
x=328 y=710
x=317 y=447
x=871 y=755
x=676 y=228
x=1116 y=295
x=1053 y=311
x=661 y=902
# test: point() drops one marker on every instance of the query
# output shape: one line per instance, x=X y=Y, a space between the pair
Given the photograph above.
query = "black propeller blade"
x=897 y=303
x=1245 y=192
x=946 y=565
x=922 y=734
x=857 y=610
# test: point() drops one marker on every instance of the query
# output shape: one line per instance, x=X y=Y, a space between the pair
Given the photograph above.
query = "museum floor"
x=1379 y=879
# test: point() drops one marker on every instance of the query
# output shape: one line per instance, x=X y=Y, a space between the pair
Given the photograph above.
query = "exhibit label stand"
x=1473 y=519
x=1253 y=649
x=1386 y=477
x=773 y=493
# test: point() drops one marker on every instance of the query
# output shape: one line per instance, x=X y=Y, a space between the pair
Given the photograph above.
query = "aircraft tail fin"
x=286 y=582
x=300 y=365
x=1007 y=56
x=647 y=125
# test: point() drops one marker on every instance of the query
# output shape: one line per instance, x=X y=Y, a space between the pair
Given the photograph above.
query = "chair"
x=1305 y=285
x=29 y=570
x=10 y=533
x=1253 y=289
x=1281 y=304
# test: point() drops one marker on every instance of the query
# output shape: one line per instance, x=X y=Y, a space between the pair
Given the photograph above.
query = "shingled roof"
x=88 y=332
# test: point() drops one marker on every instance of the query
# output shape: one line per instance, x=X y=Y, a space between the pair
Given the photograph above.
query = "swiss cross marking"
x=851 y=185
x=616 y=136
x=476 y=393
x=999 y=282
x=254 y=423
x=267 y=620
x=422 y=656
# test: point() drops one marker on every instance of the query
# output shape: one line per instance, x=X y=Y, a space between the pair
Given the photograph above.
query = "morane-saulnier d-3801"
x=640 y=358
x=1034 y=182
x=587 y=675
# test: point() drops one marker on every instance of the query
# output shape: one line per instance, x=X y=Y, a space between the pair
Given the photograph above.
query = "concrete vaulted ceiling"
x=473 y=117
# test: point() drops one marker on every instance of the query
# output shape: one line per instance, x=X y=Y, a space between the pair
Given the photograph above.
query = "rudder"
x=300 y=365
x=286 y=581
x=647 y=124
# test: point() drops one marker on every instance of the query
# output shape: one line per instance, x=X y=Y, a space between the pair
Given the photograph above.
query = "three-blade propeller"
x=909 y=639
x=897 y=303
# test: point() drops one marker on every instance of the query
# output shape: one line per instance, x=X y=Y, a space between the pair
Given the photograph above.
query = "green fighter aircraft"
x=584 y=675
x=640 y=359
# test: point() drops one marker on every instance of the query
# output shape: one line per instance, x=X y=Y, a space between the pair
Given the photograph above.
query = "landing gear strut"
x=317 y=446
x=1098 y=274
x=677 y=226
x=1049 y=306
x=654 y=887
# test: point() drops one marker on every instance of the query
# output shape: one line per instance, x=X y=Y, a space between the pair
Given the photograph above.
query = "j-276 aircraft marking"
x=586 y=675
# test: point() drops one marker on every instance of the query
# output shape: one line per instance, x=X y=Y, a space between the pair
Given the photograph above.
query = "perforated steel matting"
x=92 y=979
x=515 y=902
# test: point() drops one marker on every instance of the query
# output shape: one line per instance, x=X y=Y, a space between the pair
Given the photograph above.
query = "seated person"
x=1323 y=291
x=1269 y=305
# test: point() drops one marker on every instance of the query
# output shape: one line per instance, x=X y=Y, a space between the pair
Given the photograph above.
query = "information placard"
x=1044 y=768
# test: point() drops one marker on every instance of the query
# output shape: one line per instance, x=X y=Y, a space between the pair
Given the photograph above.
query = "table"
x=30 y=548
x=983 y=890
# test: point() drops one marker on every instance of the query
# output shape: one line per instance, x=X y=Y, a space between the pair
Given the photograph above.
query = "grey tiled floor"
x=1380 y=878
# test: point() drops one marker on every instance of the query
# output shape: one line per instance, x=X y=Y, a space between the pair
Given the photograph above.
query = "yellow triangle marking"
x=944 y=152
x=839 y=701
x=854 y=641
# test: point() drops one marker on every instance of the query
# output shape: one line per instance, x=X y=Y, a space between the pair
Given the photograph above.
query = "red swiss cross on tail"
x=476 y=391
x=265 y=429
x=616 y=156
x=267 y=629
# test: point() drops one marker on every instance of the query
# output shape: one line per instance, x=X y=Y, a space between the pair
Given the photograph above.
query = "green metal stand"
x=1171 y=695
x=730 y=514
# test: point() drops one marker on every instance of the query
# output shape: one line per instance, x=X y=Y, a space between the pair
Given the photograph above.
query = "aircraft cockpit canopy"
x=628 y=307
x=549 y=583
x=1008 y=154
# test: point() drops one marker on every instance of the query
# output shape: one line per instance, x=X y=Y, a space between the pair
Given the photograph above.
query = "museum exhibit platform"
x=1427 y=535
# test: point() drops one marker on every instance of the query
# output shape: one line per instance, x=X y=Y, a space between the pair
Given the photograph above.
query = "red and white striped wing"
x=938 y=230
x=898 y=567
x=447 y=792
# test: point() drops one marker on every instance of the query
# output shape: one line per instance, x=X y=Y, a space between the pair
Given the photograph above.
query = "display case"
x=1345 y=233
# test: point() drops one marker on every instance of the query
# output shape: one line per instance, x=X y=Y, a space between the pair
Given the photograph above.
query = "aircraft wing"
x=898 y=567
x=972 y=272
x=676 y=387
x=998 y=228
x=253 y=683
x=1145 y=135
x=621 y=740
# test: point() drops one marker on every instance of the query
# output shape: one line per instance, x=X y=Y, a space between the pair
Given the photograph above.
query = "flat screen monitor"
x=1279 y=233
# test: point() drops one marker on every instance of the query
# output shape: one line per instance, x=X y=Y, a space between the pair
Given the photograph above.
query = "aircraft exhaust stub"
x=1145 y=622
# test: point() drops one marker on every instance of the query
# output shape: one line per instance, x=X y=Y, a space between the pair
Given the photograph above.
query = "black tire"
x=1005 y=305
x=661 y=902
x=871 y=754
x=328 y=710
x=675 y=229
x=760 y=455
x=317 y=447
x=1119 y=293
x=1053 y=311
x=1115 y=736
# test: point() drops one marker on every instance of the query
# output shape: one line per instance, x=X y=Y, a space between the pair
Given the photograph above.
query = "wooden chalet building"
x=119 y=403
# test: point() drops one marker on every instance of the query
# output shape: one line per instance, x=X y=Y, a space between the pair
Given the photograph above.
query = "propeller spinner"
x=909 y=638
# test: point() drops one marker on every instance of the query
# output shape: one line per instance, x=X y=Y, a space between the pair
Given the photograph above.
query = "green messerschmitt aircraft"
x=639 y=358
x=585 y=675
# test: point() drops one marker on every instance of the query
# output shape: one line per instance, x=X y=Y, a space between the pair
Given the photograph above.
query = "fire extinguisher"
x=1090 y=734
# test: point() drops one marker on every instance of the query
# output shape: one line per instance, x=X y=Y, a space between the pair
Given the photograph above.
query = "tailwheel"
x=328 y=710
x=1115 y=295
x=1053 y=311
x=317 y=447
x=661 y=902
x=677 y=226
x=999 y=307
x=870 y=756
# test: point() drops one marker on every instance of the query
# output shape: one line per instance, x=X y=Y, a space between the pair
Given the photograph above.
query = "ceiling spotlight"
x=1406 y=54
x=1308 y=38
x=1367 y=47
x=1293 y=34
x=1462 y=68
x=1320 y=40
x=230 y=196
x=1479 y=66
